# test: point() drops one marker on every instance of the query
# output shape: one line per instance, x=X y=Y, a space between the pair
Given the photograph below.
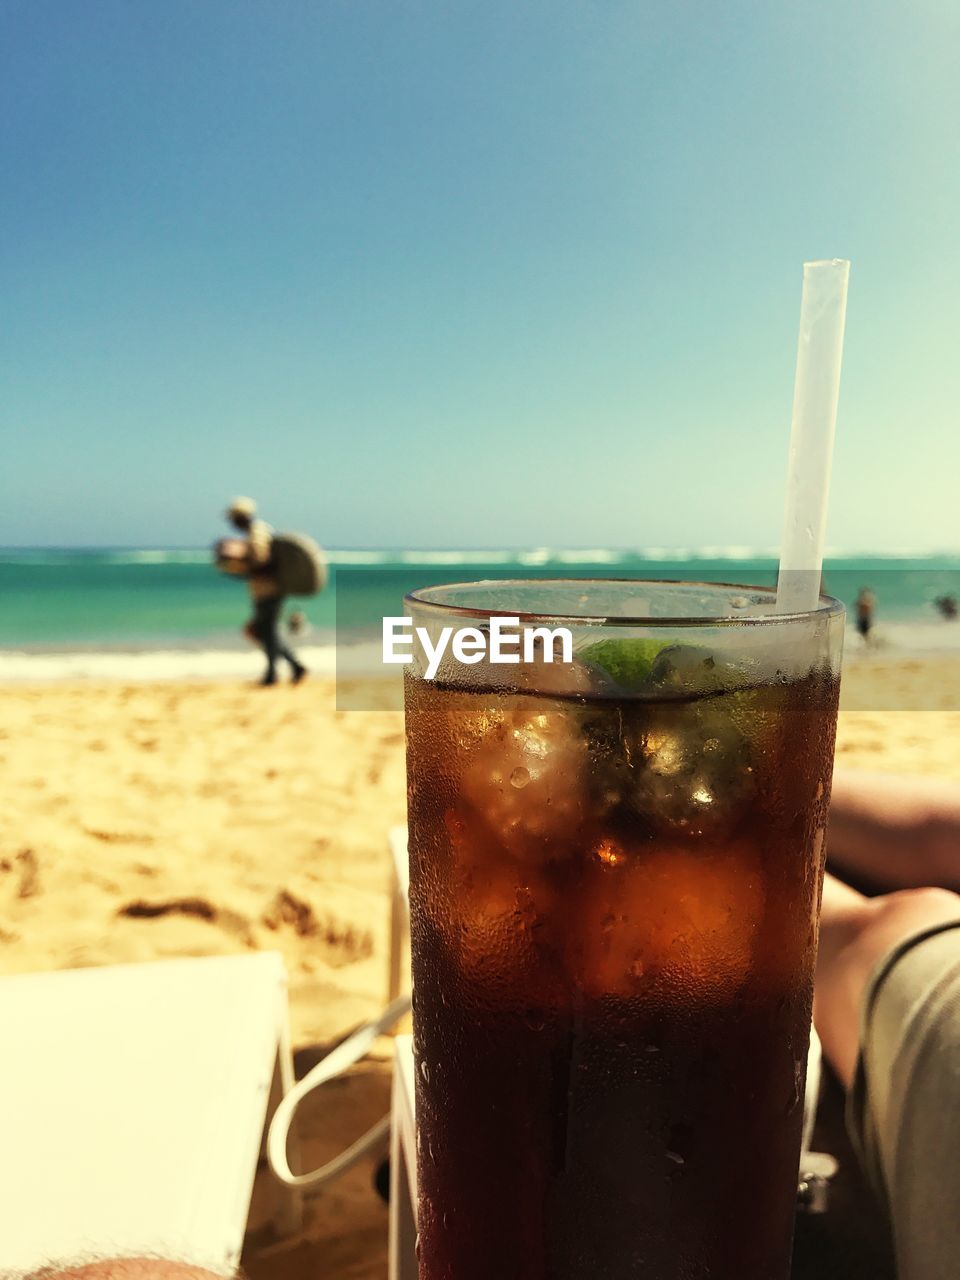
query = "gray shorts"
x=903 y=1112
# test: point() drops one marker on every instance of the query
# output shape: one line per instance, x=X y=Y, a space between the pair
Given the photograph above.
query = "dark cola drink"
x=614 y=912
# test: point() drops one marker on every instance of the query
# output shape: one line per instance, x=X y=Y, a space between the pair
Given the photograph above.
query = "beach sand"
x=158 y=819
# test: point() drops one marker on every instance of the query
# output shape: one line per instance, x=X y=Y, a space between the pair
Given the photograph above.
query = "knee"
x=893 y=916
x=932 y=902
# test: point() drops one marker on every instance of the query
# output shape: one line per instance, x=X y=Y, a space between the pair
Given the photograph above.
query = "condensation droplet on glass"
x=520 y=777
x=425 y=1072
x=797 y=1086
x=652 y=1048
x=675 y=1158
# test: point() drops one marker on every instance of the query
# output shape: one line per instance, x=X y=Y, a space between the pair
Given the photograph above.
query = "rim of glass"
x=828 y=606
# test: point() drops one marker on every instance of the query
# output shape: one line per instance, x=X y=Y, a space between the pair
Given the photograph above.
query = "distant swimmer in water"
x=865 y=606
x=947 y=606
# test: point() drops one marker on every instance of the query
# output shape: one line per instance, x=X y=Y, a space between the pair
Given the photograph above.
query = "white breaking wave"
x=183 y=556
x=457 y=557
x=360 y=557
x=895 y=553
x=727 y=552
x=98 y=556
x=596 y=556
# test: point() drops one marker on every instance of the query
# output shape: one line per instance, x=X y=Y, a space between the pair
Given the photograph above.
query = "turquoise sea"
x=140 y=600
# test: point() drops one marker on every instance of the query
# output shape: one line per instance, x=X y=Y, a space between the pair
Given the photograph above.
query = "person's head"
x=126 y=1269
x=240 y=512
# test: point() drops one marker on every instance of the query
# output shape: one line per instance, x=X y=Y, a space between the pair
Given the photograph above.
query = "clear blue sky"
x=471 y=274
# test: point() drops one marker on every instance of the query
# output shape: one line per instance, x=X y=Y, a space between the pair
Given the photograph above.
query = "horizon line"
x=730 y=551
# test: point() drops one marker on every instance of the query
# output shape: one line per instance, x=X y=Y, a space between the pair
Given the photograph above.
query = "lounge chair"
x=133 y=1102
x=351 y=1050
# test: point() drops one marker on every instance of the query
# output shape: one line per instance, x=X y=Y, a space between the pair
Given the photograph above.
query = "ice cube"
x=570 y=679
x=669 y=921
x=691 y=768
x=499 y=915
x=525 y=780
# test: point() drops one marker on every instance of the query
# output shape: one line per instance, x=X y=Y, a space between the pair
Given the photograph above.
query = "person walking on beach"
x=865 y=606
x=268 y=599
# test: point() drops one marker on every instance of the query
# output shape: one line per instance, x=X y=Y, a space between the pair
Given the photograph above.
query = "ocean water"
x=165 y=600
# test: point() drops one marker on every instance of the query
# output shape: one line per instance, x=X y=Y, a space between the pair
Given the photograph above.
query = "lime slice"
x=628 y=661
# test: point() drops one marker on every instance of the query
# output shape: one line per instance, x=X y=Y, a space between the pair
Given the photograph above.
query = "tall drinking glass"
x=616 y=865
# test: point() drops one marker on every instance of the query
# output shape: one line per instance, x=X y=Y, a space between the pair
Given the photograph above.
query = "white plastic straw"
x=823 y=310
